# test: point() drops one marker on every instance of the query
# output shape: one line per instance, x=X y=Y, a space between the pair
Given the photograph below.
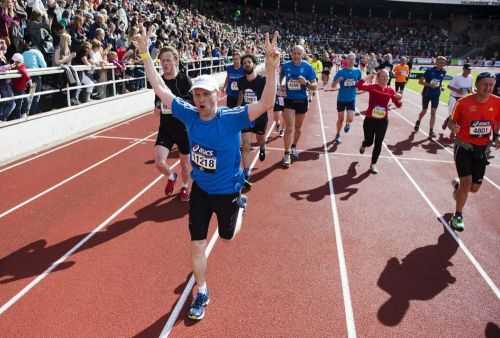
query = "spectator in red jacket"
x=19 y=86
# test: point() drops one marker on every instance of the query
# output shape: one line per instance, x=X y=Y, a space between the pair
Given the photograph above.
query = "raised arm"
x=160 y=88
x=266 y=101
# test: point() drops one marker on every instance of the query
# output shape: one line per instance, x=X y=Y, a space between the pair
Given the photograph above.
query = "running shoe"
x=337 y=139
x=361 y=150
x=169 y=188
x=347 y=127
x=262 y=153
x=432 y=134
x=184 y=194
x=287 y=160
x=197 y=309
x=417 y=125
x=277 y=127
x=294 y=154
x=374 y=169
x=282 y=133
x=457 y=223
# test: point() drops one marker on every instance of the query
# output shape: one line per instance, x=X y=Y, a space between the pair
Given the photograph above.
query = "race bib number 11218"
x=204 y=159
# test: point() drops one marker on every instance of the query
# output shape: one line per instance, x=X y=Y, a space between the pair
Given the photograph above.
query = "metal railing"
x=192 y=68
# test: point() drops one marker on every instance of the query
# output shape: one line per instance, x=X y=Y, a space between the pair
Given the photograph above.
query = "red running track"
x=372 y=259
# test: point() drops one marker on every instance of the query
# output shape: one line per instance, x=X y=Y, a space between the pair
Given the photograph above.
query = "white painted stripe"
x=346 y=293
x=20 y=205
x=55 y=264
x=169 y=325
x=459 y=241
x=71 y=143
x=442 y=146
x=120 y=138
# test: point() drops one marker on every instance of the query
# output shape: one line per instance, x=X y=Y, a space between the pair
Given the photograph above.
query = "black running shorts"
x=172 y=131
x=400 y=86
x=434 y=100
x=300 y=106
x=202 y=206
x=259 y=126
x=471 y=162
x=279 y=103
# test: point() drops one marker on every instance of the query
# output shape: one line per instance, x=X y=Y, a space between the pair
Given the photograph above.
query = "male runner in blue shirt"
x=214 y=137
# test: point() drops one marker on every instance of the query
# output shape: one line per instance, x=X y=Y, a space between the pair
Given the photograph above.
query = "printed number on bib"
x=249 y=96
x=349 y=83
x=204 y=159
x=234 y=86
x=435 y=83
x=480 y=128
x=294 y=85
x=281 y=101
x=378 y=112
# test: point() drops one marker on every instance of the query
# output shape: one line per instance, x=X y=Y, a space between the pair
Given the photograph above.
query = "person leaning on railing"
x=6 y=108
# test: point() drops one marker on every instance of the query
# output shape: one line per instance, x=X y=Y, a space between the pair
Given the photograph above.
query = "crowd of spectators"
x=66 y=33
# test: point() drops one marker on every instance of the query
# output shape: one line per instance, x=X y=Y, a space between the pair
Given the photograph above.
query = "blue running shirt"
x=347 y=91
x=433 y=76
x=215 y=146
x=292 y=72
x=233 y=75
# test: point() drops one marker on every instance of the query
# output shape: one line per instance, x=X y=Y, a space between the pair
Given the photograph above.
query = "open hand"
x=141 y=40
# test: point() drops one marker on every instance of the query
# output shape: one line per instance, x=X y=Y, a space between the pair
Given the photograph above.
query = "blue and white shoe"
x=337 y=139
x=197 y=309
x=347 y=127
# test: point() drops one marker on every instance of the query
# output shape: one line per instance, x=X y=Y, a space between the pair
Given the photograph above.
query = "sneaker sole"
x=456 y=229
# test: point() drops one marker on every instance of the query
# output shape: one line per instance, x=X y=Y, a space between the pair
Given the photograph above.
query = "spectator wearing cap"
x=33 y=59
x=19 y=85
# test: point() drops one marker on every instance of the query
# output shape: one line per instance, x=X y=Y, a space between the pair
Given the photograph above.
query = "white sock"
x=172 y=177
x=203 y=288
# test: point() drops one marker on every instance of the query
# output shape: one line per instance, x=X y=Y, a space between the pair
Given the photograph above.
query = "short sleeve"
x=337 y=75
x=235 y=119
x=311 y=74
x=184 y=111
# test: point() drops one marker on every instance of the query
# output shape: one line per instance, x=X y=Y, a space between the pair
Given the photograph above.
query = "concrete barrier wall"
x=39 y=132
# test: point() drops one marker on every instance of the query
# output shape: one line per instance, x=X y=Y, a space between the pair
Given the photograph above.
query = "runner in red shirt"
x=475 y=118
x=376 y=120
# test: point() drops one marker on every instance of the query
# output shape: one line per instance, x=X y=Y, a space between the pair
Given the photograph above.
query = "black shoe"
x=262 y=154
x=417 y=125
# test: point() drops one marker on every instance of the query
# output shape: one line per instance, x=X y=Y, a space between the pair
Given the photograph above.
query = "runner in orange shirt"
x=475 y=118
x=401 y=73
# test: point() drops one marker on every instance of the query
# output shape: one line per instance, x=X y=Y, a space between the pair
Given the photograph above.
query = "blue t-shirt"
x=233 y=75
x=433 y=76
x=292 y=72
x=215 y=146
x=347 y=91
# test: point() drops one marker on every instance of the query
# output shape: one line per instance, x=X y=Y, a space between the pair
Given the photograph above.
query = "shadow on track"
x=421 y=275
x=341 y=184
x=34 y=258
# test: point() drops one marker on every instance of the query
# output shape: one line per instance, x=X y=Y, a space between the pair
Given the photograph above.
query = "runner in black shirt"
x=327 y=67
x=251 y=87
x=172 y=131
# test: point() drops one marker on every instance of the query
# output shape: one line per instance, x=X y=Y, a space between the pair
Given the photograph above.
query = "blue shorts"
x=434 y=100
x=349 y=106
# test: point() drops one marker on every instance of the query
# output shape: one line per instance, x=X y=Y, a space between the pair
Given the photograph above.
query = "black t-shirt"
x=180 y=87
x=251 y=90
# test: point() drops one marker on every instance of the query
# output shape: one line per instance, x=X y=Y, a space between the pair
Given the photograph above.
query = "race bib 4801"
x=480 y=128
x=204 y=159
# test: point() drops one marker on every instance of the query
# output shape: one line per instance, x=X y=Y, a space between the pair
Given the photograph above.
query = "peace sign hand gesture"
x=272 y=51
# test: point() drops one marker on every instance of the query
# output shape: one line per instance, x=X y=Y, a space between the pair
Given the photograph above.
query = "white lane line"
x=459 y=241
x=346 y=293
x=71 y=143
x=37 y=196
x=169 y=325
x=442 y=146
x=54 y=265
x=120 y=138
